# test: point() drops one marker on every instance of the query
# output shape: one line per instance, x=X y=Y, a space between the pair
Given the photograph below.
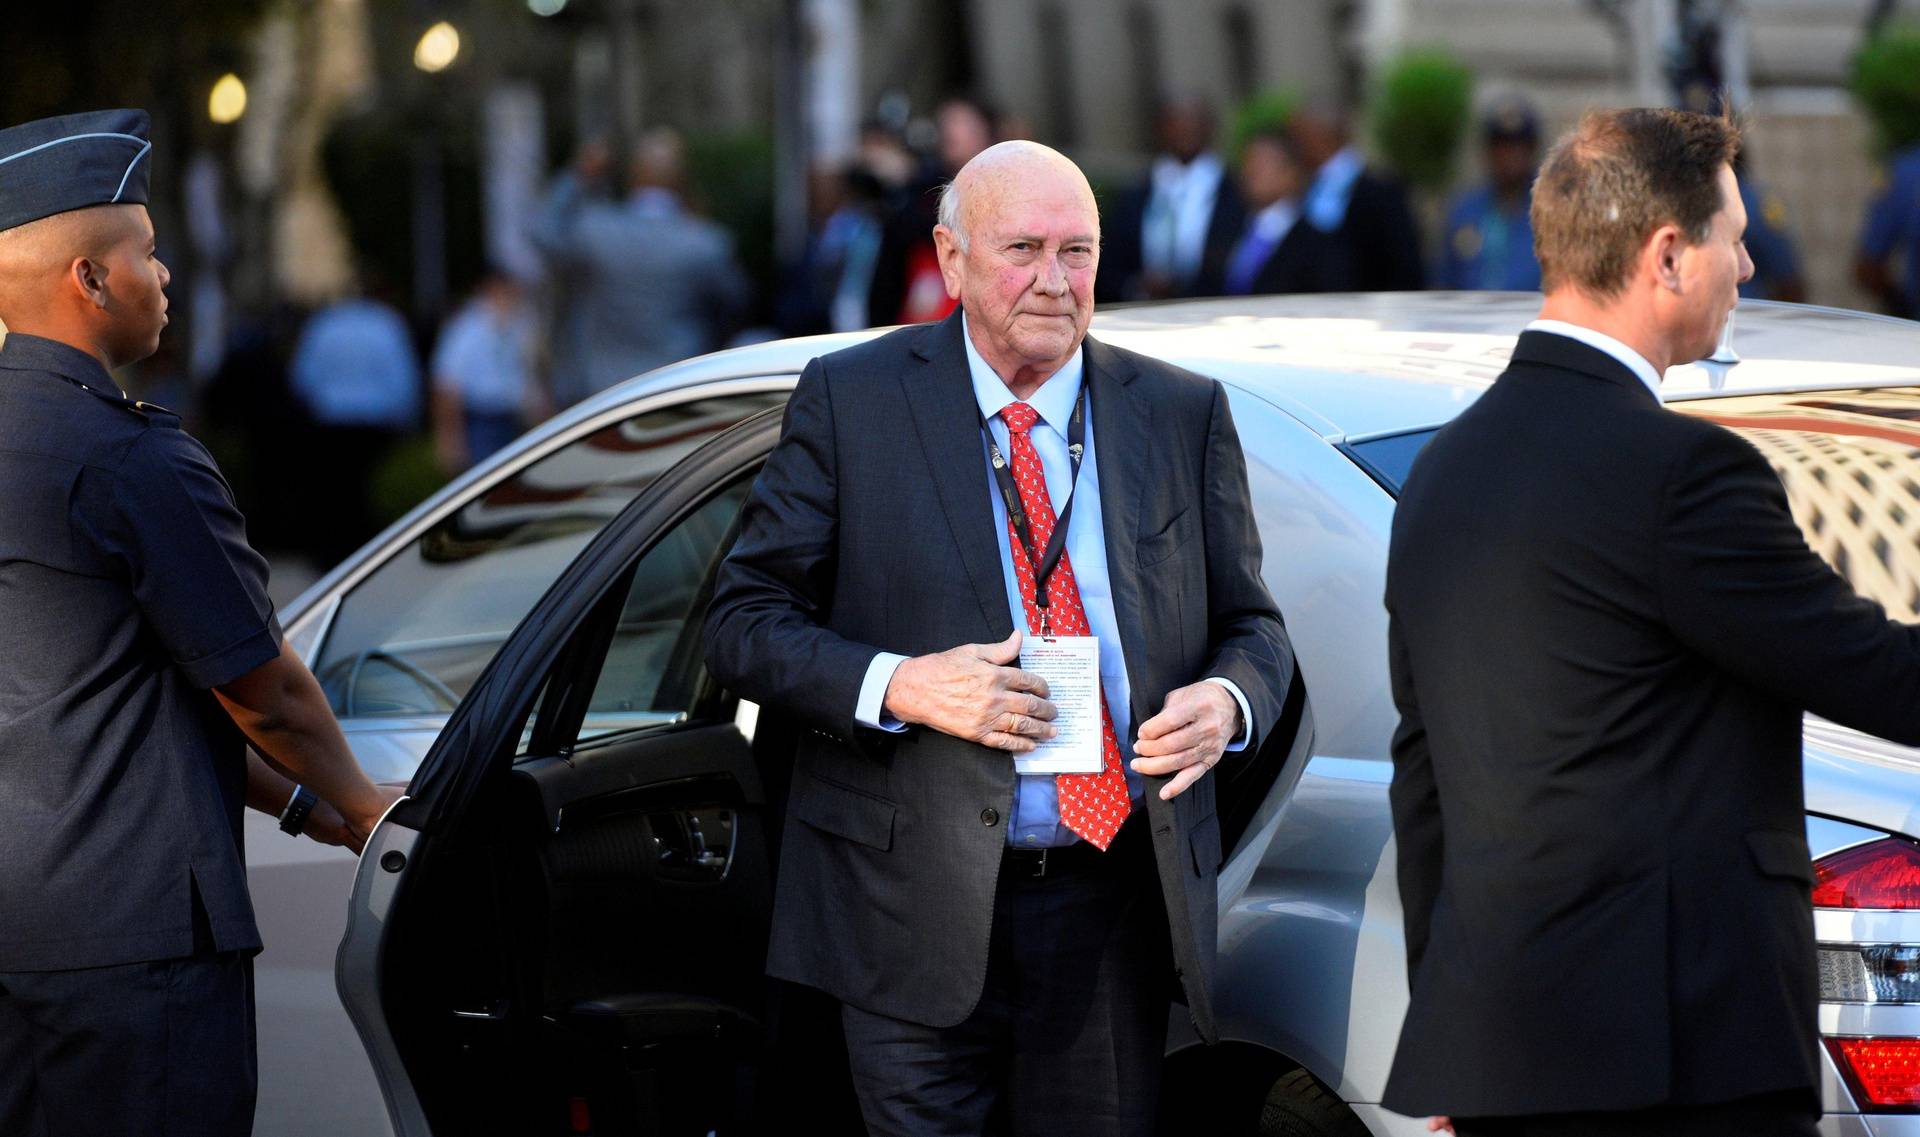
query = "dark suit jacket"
x=871 y=529
x=1306 y=260
x=1385 y=239
x=1121 y=247
x=1605 y=626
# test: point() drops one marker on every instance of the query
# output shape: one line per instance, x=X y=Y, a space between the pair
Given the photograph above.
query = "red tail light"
x=1885 y=1072
x=1879 y=874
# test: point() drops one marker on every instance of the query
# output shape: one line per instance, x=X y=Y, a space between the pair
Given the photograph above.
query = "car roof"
x=1355 y=365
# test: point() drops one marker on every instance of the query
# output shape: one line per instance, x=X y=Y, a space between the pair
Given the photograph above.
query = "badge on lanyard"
x=1069 y=664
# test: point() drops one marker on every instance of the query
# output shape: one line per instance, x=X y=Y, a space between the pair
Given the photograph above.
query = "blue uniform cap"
x=1511 y=119
x=54 y=165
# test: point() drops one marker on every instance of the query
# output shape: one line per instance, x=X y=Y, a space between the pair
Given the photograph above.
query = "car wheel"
x=1299 y=1106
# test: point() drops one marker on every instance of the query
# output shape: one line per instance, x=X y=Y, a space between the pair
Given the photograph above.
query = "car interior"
x=583 y=951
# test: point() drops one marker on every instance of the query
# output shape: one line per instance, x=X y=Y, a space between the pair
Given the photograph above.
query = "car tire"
x=1299 y=1106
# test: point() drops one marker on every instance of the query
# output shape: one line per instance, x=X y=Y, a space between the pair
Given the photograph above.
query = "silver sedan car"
x=562 y=929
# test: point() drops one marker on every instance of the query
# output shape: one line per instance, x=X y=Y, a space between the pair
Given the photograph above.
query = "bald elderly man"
x=1004 y=945
x=137 y=646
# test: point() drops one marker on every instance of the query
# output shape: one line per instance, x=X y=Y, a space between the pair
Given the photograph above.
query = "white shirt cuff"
x=871 y=709
x=1246 y=713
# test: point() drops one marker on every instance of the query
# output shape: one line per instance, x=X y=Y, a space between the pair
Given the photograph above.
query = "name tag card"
x=1071 y=667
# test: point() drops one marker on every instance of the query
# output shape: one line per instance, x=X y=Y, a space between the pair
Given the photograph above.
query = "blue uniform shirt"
x=1768 y=242
x=1488 y=247
x=1893 y=219
x=126 y=590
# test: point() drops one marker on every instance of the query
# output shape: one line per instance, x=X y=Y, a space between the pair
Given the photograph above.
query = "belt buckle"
x=1037 y=858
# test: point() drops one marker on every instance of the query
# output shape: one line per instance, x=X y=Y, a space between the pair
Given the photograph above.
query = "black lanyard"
x=1043 y=565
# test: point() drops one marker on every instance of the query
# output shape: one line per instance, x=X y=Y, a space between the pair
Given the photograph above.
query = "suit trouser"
x=1071 y=1027
x=1791 y=1113
x=157 y=1049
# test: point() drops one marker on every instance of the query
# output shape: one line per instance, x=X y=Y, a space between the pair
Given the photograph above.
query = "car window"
x=654 y=663
x=1850 y=461
x=409 y=640
x=1387 y=460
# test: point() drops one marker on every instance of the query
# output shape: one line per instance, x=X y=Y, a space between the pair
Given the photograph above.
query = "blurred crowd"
x=356 y=394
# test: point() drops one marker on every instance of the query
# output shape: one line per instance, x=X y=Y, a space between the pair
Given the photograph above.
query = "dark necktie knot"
x=1019 y=417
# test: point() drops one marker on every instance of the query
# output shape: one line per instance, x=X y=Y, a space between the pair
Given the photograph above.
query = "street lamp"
x=439 y=46
x=228 y=101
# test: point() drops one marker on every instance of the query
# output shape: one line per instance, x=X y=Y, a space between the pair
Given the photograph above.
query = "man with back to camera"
x=1004 y=945
x=135 y=636
x=1604 y=626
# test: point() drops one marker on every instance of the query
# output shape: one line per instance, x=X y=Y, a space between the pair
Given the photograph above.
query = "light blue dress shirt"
x=1036 y=804
x=1332 y=190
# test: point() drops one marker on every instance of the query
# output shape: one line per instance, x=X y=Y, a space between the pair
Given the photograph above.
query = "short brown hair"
x=1614 y=179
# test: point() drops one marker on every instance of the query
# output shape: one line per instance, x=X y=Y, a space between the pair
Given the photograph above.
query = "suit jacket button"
x=990 y=816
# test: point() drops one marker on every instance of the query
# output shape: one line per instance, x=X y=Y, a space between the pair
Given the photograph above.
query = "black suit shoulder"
x=1173 y=392
x=881 y=352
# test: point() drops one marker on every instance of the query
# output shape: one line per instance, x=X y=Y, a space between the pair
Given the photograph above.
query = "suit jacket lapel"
x=947 y=420
x=1120 y=443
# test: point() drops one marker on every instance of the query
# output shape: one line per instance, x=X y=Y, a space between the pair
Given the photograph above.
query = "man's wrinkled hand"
x=1188 y=736
x=974 y=692
x=1439 y=1125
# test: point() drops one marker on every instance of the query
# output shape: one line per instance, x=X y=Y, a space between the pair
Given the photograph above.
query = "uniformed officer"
x=1769 y=241
x=137 y=644
x=1489 y=238
x=1892 y=226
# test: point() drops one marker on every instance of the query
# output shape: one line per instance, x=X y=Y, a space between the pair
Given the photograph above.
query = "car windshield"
x=1850 y=461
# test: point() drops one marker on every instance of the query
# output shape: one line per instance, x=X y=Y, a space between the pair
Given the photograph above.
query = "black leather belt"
x=1076 y=858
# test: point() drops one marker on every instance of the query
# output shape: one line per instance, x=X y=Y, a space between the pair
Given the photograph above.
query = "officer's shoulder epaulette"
x=152 y=413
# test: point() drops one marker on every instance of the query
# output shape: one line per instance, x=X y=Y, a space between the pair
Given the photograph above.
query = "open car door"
x=563 y=928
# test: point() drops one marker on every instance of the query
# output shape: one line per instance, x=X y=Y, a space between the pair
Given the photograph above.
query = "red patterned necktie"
x=1092 y=805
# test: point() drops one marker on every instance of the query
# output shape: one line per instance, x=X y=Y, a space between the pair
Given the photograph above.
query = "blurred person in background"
x=1489 y=242
x=886 y=156
x=648 y=281
x=357 y=375
x=1888 y=234
x=907 y=287
x=484 y=389
x=1277 y=252
x=1776 y=262
x=1170 y=233
x=827 y=290
x=1366 y=209
x=257 y=425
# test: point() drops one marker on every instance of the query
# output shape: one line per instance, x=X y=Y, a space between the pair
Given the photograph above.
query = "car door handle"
x=694 y=845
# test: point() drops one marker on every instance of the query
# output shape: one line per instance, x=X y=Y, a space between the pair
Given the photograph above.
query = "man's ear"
x=1663 y=251
x=946 y=246
x=88 y=278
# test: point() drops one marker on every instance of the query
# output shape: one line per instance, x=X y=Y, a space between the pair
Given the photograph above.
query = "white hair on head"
x=950 y=212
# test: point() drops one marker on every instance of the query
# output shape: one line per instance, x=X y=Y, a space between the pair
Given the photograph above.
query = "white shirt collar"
x=1600 y=341
x=1054 y=399
x=1170 y=175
